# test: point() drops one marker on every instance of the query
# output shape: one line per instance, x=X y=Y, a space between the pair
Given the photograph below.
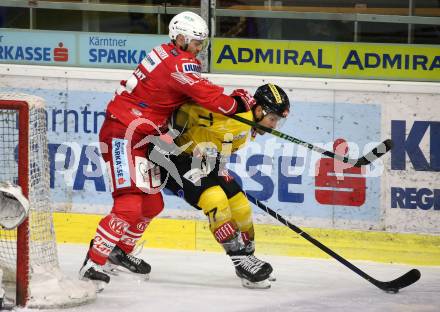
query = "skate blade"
x=120 y=269
x=255 y=285
x=99 y=286
x=144 y=277
x=111 y=269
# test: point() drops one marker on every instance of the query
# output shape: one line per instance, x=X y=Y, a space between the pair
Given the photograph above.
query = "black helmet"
x=273 y=99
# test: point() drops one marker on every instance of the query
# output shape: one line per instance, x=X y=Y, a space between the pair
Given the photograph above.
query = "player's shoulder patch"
x=151 y=61
x=161 y=52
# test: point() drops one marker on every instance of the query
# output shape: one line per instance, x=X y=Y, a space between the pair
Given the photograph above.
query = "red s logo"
x=60 y=54
x=334 y=186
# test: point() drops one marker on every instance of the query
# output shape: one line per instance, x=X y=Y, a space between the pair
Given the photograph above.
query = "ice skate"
x=249 y=250
x=133 y=264
x=95 y=273
x=271 y=277
x=253 y=272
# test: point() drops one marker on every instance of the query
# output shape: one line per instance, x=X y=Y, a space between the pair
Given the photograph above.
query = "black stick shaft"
x=294 y=140
x=365 y=160
x=311 y=239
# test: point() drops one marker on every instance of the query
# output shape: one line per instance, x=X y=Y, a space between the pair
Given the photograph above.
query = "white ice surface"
x=202 y=281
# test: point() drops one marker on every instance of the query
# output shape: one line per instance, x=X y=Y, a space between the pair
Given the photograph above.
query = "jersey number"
x=211 y=215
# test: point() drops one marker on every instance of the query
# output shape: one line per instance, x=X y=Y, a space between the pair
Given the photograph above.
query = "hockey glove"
x=244 y=99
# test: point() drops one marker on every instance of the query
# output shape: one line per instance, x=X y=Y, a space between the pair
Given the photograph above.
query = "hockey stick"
x=391 y=286
x=367 y=159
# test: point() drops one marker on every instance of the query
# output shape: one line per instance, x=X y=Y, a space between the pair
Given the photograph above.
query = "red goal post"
x=21 y=110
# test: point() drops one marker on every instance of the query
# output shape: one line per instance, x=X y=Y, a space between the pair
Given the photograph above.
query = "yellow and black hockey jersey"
x=210 y=133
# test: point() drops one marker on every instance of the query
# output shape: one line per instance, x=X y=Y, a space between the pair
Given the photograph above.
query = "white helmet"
x=190 y=25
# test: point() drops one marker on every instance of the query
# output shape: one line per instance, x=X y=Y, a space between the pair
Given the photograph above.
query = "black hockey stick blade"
x=377 y=152
x=403 y=281
x=391 y=287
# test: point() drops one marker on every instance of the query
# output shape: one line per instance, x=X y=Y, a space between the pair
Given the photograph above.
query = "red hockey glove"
x=245 y=100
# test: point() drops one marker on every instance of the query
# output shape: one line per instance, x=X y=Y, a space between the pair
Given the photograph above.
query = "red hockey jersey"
x=165 y=79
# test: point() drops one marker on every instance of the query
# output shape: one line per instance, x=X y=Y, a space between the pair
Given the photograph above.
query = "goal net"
x=28 y=254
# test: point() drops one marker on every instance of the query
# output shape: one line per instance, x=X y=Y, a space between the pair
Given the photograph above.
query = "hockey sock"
x=132 y=235
x=109 y=232
x=152 y=205
x=242 y=215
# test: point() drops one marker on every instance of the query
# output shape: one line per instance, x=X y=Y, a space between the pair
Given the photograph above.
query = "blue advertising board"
x=64 y=48
x=43 y=48
x=115 y=50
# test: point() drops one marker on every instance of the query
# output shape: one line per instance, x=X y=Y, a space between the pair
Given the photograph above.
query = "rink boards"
x=399 y=193
x=184 y=234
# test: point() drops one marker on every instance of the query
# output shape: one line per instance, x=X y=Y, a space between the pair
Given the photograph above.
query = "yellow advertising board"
x=327 y=59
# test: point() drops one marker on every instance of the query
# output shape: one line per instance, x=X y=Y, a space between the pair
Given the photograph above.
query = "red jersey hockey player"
x=165 y=79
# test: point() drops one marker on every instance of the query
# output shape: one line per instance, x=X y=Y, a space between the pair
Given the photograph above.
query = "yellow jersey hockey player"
x=208 y=139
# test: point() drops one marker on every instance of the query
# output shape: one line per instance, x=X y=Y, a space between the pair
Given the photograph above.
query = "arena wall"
x=399 y=193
